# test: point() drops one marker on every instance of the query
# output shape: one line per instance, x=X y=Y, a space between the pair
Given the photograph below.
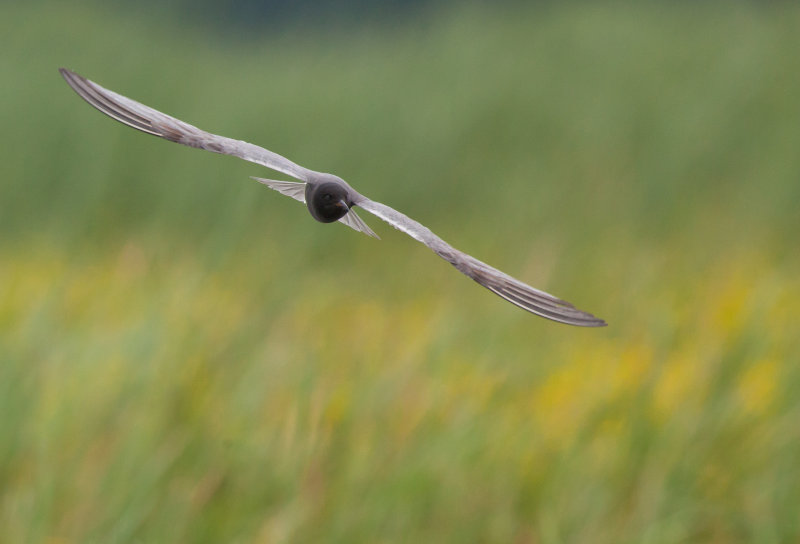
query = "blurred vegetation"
x=188 y=357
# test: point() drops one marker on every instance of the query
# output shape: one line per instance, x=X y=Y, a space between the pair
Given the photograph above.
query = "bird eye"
x=327 y=197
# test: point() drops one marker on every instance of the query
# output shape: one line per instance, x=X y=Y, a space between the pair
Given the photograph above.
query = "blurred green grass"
x=188 y=357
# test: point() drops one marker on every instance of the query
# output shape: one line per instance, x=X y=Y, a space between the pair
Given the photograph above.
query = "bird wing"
x=298 y=192
x=511 y=289
x=289 y=188
x=154 y=122
x=355 y=222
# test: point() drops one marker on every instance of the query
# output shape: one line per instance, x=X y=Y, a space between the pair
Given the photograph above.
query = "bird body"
x=327 y=197
x=329 y=200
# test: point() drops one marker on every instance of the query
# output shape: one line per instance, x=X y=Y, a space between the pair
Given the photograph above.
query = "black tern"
x=329 y=198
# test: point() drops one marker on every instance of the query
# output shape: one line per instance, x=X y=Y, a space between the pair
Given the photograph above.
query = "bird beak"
x=343 y=204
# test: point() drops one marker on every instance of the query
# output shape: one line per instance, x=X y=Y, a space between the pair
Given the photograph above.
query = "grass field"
x=188 y=357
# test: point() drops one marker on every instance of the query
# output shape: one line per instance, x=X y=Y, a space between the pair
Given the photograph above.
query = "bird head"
x=327 y=201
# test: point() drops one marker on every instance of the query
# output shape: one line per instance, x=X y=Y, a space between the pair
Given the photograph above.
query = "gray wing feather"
x=289 y=188
x=511 y=289
x=154 y=122
x=355 y=222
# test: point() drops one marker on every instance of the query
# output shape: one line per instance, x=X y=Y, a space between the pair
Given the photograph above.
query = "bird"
x=328 y=198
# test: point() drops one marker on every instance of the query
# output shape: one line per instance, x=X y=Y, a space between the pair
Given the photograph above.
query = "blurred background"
x=188 y=357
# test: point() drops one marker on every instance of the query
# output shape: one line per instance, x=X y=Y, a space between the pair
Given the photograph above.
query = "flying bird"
x=328 y=197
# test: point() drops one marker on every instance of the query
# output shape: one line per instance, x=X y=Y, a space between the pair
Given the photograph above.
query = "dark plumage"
x=327 y=202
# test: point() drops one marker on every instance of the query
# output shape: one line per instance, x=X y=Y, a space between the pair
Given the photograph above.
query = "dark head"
x=327 y=201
